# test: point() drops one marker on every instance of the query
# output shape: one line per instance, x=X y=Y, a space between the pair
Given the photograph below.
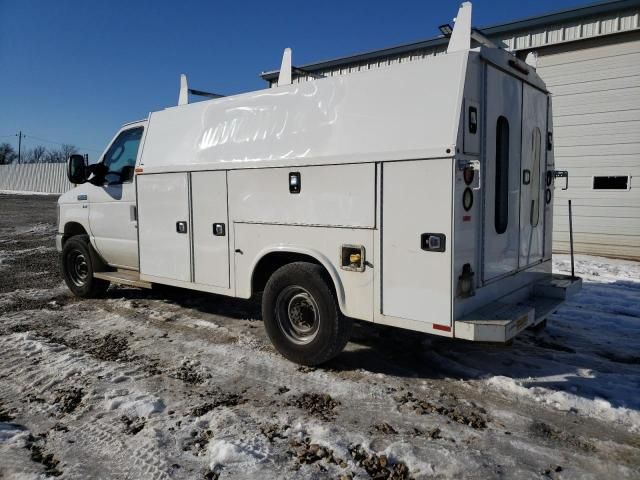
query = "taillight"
x=468 y=173
x=467 y=199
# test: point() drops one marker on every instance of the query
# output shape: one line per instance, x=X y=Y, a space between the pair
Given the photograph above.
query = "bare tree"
x=61 y=154
x=36 y=155
x=7 y=154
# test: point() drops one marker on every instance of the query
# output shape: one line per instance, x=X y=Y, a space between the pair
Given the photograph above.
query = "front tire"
x=301 y=315
x=78 y=267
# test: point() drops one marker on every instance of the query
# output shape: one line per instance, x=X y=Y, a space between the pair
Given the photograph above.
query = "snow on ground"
x=591 y=363
x=177 y=384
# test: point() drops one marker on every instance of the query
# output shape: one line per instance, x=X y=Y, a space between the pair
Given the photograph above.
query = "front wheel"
x=301 y=315
x=78 y=268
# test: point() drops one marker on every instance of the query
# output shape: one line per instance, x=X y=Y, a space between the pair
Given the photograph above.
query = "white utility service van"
x=417 y=195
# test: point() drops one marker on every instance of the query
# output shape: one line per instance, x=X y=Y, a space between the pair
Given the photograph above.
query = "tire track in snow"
x=102 y=439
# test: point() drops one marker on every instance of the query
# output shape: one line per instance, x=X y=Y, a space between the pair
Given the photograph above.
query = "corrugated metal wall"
x=596 y=98
x=566 y=32
x=38 y=177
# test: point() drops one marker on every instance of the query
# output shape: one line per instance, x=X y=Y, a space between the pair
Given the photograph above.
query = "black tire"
x=302 y=316
x=78 y=265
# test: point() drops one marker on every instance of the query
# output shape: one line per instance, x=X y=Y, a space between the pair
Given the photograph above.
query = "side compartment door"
x=502 y=174
x=416 y=203
x=210 y=228
x=534 y=128
x=163 y=225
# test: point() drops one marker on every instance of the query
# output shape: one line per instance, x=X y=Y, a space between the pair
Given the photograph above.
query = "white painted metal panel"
x=163 y=200
x=409 y=111
x=210 y=248
x=354 y=289
x=417 y=199
x=533 y=170
x=113 y=222
x=500 y=250
x=337 y=195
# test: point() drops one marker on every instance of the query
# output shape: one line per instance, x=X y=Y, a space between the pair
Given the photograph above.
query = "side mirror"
x=77 y=171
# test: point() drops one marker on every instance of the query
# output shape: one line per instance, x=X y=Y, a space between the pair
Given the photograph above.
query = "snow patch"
x=565 y=401
x=134 y=404
x=27 y=192
x=226 y=452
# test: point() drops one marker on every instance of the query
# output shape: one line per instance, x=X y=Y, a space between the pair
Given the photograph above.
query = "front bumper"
x=59 y=241
x=500 y=321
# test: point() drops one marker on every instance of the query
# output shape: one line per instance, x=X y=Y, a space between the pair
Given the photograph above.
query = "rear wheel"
x=78 y=267
x=301 y=315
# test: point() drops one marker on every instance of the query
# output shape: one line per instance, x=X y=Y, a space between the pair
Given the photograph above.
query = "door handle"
x=526 y=177
x=219 y=230
x=433 y=242
x=181 y=227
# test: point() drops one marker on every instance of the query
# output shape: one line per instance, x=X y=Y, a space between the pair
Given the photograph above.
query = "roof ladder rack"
x=183 y=97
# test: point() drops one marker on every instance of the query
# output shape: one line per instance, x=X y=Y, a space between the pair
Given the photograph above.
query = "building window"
x=536 y=147
x=620 y=182
x=502 y=176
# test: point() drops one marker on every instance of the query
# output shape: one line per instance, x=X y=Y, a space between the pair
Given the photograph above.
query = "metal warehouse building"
x=590 y=59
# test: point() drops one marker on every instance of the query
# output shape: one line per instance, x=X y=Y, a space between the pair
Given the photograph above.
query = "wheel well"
x=274 y=260
x=72 y=229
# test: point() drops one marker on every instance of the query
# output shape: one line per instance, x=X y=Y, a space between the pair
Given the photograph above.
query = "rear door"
x=534 y=128
x=501 y=174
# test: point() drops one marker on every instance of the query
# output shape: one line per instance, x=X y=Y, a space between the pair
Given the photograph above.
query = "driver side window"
x=120 y=159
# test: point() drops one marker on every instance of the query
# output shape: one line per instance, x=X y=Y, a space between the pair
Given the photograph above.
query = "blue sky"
x=73 y=71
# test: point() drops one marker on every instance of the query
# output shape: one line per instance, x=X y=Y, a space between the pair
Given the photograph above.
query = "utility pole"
x=20 y=135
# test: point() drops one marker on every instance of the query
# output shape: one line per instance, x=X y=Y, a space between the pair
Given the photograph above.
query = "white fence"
x=35 y=177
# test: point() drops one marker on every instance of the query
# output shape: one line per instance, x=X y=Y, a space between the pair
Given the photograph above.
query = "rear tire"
x=78 y=266
x=302 y=316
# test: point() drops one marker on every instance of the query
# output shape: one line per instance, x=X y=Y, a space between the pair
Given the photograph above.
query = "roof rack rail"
x=183 y=97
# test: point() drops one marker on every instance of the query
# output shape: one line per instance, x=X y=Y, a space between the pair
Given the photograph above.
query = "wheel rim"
x=77 y=268
x=298 y=315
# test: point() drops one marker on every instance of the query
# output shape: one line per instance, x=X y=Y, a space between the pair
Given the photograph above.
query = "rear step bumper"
x=500 y=321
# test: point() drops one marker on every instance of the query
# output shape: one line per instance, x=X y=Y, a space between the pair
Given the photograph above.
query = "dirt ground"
x=171 y=383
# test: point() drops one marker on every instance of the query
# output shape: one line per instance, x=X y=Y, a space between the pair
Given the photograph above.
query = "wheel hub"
x=298 y=315
x=78 y=268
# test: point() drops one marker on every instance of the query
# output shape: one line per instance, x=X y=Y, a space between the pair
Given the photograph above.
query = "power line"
x=63 y=143
x=50 y=141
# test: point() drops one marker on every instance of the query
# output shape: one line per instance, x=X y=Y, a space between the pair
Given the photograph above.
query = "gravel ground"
x=177 y=384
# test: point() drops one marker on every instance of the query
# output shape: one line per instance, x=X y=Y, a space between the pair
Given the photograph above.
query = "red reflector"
x=139 y=170
x=466 y=218
x=444 y=328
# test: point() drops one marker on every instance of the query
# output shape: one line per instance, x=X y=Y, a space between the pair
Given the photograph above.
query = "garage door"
x=596 y=113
